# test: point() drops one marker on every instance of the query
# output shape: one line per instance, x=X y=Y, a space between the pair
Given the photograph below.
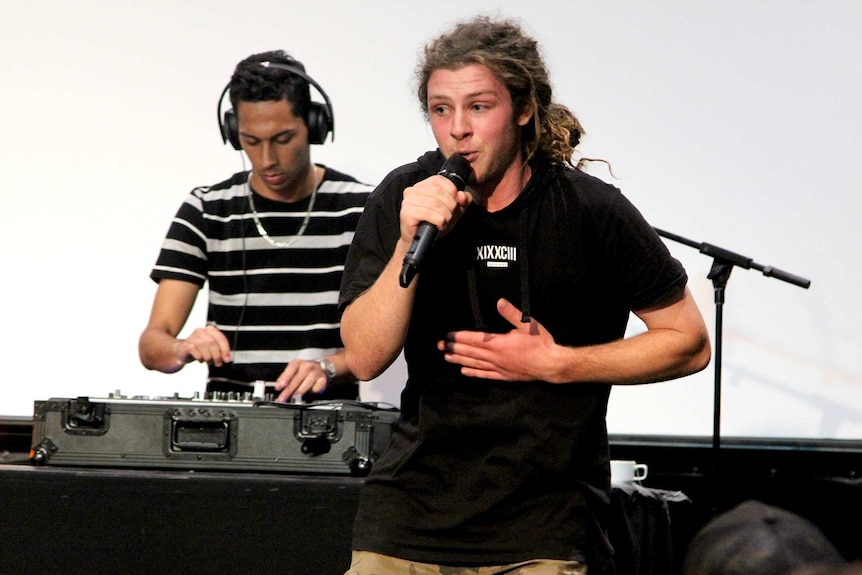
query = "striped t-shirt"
x=274 y=304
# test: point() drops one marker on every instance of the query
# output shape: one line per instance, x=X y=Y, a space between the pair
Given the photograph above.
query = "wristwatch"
x=328 y=368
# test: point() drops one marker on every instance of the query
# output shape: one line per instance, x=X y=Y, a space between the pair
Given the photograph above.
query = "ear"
x=526 y=115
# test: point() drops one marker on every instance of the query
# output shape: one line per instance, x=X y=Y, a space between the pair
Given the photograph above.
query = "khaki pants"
x=367 y=563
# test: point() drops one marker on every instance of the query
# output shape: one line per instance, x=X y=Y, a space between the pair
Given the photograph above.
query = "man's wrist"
x=328 y=368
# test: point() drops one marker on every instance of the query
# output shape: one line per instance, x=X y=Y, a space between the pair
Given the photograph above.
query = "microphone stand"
x=722 y=264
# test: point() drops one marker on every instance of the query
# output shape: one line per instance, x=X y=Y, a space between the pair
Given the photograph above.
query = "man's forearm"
x=157 y=351
x=374 y=325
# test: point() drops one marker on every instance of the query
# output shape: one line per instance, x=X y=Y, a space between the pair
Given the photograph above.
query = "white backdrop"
x=734 y=123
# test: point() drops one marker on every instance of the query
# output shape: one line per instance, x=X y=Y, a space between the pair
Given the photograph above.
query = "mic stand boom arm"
x=729 y=258
x=722 y=264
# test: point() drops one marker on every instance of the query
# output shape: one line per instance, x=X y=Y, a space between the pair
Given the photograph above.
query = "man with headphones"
x=271 y=242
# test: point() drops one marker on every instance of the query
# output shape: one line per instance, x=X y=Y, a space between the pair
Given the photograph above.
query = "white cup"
x=623 y=471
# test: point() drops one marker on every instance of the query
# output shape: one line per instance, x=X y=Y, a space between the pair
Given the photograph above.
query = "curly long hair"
x=514 y=58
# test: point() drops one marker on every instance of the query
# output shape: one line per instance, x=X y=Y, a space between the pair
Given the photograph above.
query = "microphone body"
x=456 y=169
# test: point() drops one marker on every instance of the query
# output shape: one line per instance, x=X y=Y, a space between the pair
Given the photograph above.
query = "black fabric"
x=481 y=472
x=108 y=522
x=640 y=529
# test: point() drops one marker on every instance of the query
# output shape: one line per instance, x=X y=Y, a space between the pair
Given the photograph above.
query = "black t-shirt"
x=484 y=472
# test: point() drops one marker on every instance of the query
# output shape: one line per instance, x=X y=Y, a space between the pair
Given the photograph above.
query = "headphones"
x=320 y=121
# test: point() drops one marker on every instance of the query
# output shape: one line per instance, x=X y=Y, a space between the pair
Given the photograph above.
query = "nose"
x=460 y=127
x=267 y=155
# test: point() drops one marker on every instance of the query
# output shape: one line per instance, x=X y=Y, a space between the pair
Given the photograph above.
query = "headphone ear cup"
x=319 y=123
x=230 y=129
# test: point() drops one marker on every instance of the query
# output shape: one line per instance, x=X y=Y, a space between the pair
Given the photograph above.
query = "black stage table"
x=93 y=520
x=71 y=520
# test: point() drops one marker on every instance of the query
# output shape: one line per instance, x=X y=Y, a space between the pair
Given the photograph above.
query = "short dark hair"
x=252 y=81
x=514 y=58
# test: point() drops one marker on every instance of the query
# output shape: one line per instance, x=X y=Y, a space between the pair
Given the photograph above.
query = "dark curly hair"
x=252 y=82
x=514 y=58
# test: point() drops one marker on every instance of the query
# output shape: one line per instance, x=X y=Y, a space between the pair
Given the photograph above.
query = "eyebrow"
x=289 y=131
x=467 y=96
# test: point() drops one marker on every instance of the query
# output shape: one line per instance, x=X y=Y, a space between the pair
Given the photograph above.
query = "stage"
x=116 y=520
x=85 y=520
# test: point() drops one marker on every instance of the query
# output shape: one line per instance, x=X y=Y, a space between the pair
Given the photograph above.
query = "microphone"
x=456 y=169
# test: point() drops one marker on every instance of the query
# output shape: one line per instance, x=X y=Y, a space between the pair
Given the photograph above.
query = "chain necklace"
x=259 y=225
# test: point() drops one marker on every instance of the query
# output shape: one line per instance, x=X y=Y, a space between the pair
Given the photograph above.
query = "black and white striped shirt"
x=274 y=304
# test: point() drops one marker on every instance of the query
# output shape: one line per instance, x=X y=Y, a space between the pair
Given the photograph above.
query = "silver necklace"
x=259 y=225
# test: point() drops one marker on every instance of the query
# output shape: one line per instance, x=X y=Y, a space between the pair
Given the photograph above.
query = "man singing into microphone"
x=513 y=328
